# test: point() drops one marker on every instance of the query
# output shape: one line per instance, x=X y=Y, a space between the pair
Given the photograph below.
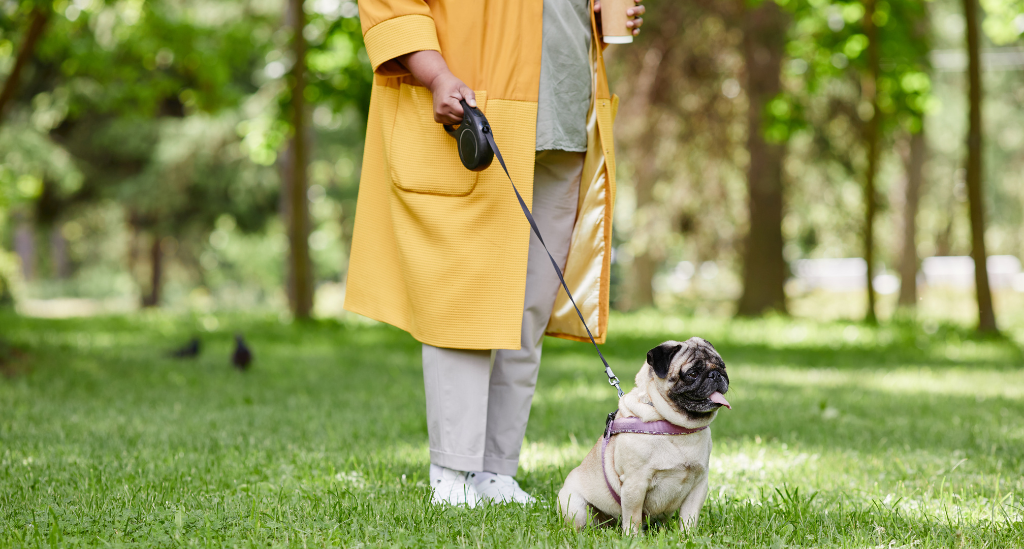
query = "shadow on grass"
x=903 y=343
x=844 y=415
x=997 y=353
x=335 y=370
x=14 y=361
x=835 y=419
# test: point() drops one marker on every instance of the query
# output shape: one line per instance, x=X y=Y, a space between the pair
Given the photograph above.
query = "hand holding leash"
x=448 y=90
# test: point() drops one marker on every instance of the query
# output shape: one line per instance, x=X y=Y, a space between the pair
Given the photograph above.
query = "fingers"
x=455 y=109
x=449 y=111
x=597 y=6
x=637 y=21
x=447 y=91
x=468 y=95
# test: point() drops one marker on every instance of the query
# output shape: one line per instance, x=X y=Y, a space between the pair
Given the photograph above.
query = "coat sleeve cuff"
x=396 y=37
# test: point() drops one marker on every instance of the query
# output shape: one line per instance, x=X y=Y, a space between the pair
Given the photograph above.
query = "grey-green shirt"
x=565 y=79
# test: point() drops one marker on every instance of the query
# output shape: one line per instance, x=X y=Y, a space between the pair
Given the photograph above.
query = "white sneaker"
x=450 y=487
x=499 y=488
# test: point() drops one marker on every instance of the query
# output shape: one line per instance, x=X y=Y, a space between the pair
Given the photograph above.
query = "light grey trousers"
x=478 y=402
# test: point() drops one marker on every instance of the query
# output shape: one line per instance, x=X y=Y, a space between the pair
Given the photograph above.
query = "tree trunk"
x=156 y=271
x=25 y=245
x=298 y=218
x=869 y=92
x=647 y=259
x=133 y=247
x=36 y=25
x=638 y=130
x=986 y=314
x=61 y=266
x=911 y=198
x=764 y=268
x=944 y=238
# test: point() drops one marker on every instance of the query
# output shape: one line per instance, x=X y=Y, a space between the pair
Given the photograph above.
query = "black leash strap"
x=612 y=379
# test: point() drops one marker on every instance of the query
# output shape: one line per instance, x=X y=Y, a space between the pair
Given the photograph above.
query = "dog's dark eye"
x=691 y=375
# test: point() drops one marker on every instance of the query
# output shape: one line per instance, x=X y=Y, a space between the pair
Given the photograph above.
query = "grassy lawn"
x=840 y=435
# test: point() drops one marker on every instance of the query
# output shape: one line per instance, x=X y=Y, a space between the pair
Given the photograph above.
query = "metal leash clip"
x=613 y=380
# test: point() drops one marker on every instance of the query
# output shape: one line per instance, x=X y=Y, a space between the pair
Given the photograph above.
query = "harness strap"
x=604 y=471
x=660 y=427
x=638 y=426
x=612 y=379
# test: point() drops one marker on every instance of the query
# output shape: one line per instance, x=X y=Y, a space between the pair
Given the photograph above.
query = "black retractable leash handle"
x=476 y=150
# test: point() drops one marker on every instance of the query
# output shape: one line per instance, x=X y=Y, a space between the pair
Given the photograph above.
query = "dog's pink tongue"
x=719 y=398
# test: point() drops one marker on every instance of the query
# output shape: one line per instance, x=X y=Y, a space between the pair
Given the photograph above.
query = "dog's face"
x=690 y=375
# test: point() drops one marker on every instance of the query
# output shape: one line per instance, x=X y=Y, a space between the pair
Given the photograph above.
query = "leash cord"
x=612 y=379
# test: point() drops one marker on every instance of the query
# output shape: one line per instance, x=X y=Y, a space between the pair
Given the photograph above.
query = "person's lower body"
x=478 y=402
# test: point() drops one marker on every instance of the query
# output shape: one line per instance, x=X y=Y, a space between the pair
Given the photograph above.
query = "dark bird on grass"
x=242 y=356
x=189 y=350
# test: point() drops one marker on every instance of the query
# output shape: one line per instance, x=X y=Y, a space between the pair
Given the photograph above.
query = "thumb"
x=468 y=95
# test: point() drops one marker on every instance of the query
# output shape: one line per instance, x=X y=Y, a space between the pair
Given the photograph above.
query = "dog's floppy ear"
x=660 y=358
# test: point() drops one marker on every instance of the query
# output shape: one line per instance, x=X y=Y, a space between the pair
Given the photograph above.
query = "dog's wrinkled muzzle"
x=720 y=382
x=706 y=395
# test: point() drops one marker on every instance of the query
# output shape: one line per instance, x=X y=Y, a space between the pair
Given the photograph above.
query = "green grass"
x=841 y=435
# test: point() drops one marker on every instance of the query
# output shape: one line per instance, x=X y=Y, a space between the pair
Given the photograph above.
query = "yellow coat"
x=440 y=251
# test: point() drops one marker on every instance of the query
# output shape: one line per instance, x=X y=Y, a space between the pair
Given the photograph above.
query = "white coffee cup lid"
x=618 y=39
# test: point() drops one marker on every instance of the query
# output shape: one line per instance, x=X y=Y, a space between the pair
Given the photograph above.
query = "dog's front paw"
x=632 y=527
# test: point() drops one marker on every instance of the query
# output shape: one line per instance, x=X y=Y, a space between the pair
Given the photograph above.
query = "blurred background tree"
x=842 y=46
x=166 y=121
x=974 y=174
x=205 y=154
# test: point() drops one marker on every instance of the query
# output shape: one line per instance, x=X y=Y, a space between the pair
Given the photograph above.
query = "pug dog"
x=654 y=475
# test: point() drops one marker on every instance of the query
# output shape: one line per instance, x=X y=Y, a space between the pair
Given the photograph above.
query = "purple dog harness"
x=636 y=425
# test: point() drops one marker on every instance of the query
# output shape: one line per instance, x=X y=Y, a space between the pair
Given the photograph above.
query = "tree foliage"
x=173 y=110
x=827 y=48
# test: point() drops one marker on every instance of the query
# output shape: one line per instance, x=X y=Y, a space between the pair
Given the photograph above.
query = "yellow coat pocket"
x=422 y=157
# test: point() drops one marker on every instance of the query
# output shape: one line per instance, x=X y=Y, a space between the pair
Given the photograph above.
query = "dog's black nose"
x=713 y=374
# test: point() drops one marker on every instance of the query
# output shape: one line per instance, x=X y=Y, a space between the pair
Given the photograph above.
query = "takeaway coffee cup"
x=613 y=21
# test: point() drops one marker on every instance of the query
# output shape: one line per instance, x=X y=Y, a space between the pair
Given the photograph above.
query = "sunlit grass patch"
x=841 y=435
x=981 y=383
